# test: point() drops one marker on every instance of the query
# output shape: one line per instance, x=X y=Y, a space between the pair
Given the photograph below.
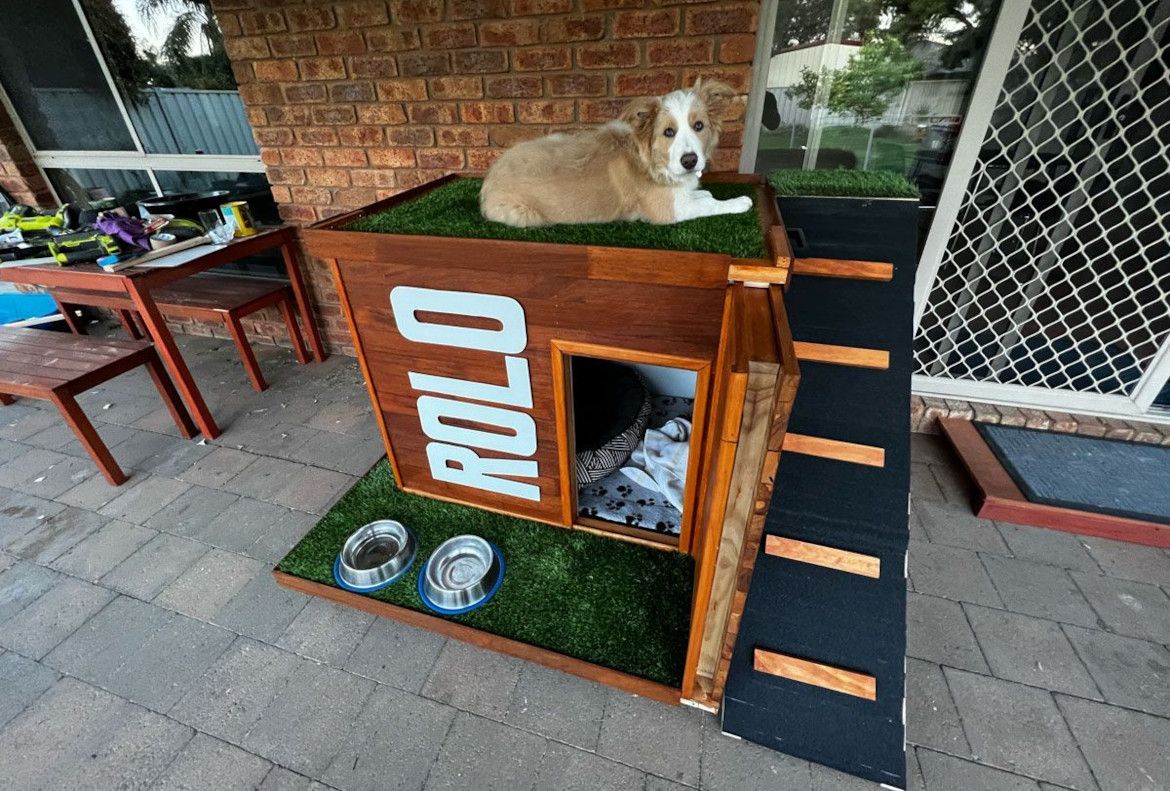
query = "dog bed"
x=611 y=406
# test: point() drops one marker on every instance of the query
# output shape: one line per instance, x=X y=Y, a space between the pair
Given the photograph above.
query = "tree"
x=191 y=22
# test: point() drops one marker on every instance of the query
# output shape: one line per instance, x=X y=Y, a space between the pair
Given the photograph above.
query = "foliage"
x=842 y=183
x=873 y=76
x=803 y=22
x=128 y=68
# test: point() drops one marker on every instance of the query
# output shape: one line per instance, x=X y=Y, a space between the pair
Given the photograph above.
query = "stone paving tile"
x=923 y=483
x=1129 y=672
x=955 y=485
x=207 y=762
x=1130 y=608
x=245 y=523
x=396 y=654
x=18 y=470
x=662 y=740
x=154 y=566
x=1018 y=729
x=77 y=736
x=1051 y=547
x=209 y=583
x=947 y=772
x=190 y=513
x=731 y=764
x=280 y=440
x=52 y=537
x=21 y=512
x=95 y=493
x=217 y=468
x=1031 y=651
x=487 y=756
x=308 y=721
x=144 y=500
x=1039 y=590
x=944 y=525
x=21 y=584
x=824 y=778
x=21 y=421
x=98 y=553
x=236 y=689
x=914 y=780
x=22 y=681
x=473 y=679
x=951 y=573
x=53 y=479
x=159 y=454
x=62 y=439
x=557 y=705
x=110 y=406
x=97 y=650
x=281 y=779
x=265 y=478
x=660 y=784
x=393 y=743
x=342 y=453
x=325 y=631
x=937 y=631
x=566 y=768
x=932 y=720
x=261 y=610
x=1126 y=749
x=1131 y=561
x=45 y=622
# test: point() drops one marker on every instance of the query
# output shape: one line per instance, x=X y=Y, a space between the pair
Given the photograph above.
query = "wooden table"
x=138 y=282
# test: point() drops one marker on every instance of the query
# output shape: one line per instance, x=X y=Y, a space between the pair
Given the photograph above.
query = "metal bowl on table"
x=375 y=555
x=461 y=575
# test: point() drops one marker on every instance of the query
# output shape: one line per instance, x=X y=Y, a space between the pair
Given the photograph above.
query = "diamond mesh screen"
x=1057 y=272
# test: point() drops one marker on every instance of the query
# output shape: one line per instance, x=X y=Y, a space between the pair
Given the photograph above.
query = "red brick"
x=680 y=52
x=721 y=19
x=293 y=213
x=372 y=178
x=344 y=157
x=462 y=136
x=392 y=157
x=408 y=12
x=577 y=85
x=310 y=18
x=366 y=14
x=381 y=114
x=391 y=40
x=289 y=45
x=334 y=114
x=257 y=116
x=305 y=92
x=506 y=136
x=512 y=87
x=273 y=137
x=578 y=28
x=259 y=22
x=598 y=111
x=342 y=42
x=331 y=68
x=360 y=135
x=281 y=194
x=286 y=175
x=402 y=90
x=536 y=7
x=247 y=48
x=645 y=24
x=433 y=113
x=312 y=195
x=737 y=48
x=483 y=158
x=487 y=112
x=242 y=72
x=512 y=33
x=275 y=70
x=352 y=92
x=610 y=55
x=354 y=197
x=440 y=158
x=738 y=77
x=424 y=64
x=476 y=9
x=451 y=36
x=373 y=66
x=546 y=112
x=644 y=83
x=456 y=88
x=602 y=5
x=480 y=61
x=410 y=136
x=542 y=59
x=270 y=156
x=229 y=24
x=301 y=156
x=317 y=136
x=327 y=177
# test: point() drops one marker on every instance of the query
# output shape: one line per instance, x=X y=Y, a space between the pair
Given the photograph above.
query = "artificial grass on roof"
x=453 y=210
x=842 y=183
x=609 y=602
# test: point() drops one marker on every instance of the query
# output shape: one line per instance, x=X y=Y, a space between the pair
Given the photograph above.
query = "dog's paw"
x=739 y=205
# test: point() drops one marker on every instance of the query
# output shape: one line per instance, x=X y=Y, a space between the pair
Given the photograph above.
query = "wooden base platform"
x=998 y=497
x=477 y=637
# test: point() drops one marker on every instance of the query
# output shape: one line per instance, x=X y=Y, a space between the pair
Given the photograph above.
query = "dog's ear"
x=641 y=114
x=716 y=95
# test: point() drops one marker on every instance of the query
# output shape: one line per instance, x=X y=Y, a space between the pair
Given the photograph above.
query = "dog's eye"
x=668 y=131
x=698 y=126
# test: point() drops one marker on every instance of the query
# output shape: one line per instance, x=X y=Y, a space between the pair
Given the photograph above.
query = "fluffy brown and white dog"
x=644 y=166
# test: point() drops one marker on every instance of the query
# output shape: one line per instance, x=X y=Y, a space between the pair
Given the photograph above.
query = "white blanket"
x=660 y=460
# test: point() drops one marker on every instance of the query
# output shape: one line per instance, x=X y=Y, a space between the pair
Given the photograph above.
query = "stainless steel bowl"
x=375 y=555
x=462 y=573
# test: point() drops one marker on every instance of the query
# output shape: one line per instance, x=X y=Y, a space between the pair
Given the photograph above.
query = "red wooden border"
x=998 y=497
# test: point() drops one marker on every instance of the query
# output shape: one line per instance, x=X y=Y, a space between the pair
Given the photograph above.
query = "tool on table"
x=239 y=212
x=29 y=220
x=73 y=248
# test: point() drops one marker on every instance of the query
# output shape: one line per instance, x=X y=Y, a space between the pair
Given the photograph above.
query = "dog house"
x=516 y=375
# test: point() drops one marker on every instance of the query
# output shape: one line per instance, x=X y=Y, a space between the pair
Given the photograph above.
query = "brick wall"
x=18 y=175
x=351 y=102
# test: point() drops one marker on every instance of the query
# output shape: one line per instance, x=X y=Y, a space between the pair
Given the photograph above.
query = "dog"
x=643 y=166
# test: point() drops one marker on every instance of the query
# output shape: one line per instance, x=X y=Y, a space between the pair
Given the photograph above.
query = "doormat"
x=1105 y=476
x=616 y=604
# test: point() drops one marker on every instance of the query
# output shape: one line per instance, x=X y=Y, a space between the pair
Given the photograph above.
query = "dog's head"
x=677 y=133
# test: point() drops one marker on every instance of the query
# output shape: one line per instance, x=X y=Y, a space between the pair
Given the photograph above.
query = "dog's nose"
x=689 y=160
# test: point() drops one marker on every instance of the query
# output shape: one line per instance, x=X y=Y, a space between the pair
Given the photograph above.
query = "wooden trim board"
x=853 y=270
x=821 y=555
x=842 y=355
x=541 y=656
x=847 y=682
x=835 y=449
x=998 y=497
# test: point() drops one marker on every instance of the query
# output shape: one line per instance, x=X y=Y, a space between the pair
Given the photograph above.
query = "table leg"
x=89 y=438
x=168 y=350
x=170 y=396
x=297 y=281
x=70 y=320
x=6 y=399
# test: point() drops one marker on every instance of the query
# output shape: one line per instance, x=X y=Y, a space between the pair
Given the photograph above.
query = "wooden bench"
x=210 y=297
x=54 y=366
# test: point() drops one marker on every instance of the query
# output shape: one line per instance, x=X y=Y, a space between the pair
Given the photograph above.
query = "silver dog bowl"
x=375 y=555
x=462 y=574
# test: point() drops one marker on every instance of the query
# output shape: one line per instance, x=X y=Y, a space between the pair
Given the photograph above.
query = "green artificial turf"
x=842 y=183
x=453 y=210
x=609 y=602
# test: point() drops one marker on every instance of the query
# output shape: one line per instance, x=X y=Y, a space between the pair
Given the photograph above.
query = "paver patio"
x=144 y=644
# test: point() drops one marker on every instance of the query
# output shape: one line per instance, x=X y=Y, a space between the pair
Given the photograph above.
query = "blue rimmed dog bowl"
x=374 y=556
x=461 y=575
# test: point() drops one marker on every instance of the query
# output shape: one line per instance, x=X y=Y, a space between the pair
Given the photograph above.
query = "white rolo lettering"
x=444 y=420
